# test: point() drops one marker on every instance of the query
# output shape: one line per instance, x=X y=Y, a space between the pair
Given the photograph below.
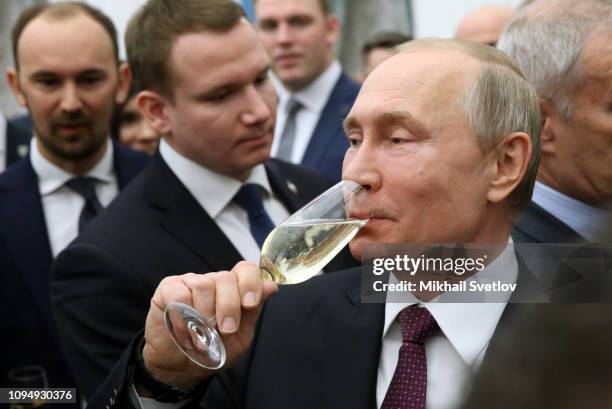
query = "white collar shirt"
x=455 y=354
x=313 y=99
x=62 y=206
x=584 y=219
x=214 y=192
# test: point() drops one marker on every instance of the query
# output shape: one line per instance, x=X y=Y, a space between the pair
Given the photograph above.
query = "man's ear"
x=509 y=165
x=153 y=107
x=549 y=115
x=12 y=77
x=333 y=29
x=124 y=79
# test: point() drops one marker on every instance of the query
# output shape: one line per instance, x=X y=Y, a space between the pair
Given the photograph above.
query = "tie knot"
x=416 y=324
x=249 y=197
x=84 y=186
x=293 y=105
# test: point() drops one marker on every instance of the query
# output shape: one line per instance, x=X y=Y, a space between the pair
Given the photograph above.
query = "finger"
x=227 y=302
x=171 y=289
x=202 y=287
x=249 y=283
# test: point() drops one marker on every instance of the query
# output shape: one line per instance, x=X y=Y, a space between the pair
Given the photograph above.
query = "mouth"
x=287 y=59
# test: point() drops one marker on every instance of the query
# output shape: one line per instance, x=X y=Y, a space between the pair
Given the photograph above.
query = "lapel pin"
x=291 y=186
x=22 y=150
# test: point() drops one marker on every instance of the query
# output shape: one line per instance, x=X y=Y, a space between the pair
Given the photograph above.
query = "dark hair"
x=152 y=31
x=385 y=39
x=62 y=11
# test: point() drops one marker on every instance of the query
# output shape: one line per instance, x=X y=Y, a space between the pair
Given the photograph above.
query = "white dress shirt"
x=3 y=140
x=455 y=354
x=586 y=220
x=313 y=98
x=61 y=205
x=214 y=192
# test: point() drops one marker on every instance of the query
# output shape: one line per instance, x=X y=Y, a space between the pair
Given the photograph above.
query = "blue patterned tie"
x=86 y=188
x=249 y=197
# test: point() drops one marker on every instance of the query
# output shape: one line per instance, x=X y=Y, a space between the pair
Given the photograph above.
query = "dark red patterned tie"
x=409 y=384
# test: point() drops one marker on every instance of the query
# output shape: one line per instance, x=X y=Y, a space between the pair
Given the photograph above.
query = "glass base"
x=195 y=336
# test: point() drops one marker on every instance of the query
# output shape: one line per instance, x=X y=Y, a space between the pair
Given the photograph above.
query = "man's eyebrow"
x=350 y=123
x=389 y=119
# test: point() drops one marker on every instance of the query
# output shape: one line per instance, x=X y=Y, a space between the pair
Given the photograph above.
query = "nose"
x=284 y=34
x=361 y=165
x=71 y=100
x=257 y=110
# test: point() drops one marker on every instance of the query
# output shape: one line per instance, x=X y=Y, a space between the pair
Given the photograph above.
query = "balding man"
x=485 y=24
x=459 y=174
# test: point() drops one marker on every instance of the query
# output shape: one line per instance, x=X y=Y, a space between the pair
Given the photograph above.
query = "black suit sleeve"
x=90 y=290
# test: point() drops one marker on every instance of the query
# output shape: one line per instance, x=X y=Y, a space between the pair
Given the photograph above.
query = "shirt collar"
x=52 y=177
x=581 y=217
x=315 y=95
x=201 y=181
x=467 y=326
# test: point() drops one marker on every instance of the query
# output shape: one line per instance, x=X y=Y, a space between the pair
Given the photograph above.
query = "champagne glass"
x=296 y=250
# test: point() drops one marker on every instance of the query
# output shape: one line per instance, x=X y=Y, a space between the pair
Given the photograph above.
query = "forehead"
x=70 y=43
x=278 y=9
x=210 y=58
x=597 y=56
x=423 y=81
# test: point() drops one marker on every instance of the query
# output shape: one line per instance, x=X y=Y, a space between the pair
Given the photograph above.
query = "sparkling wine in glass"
x=296 y=250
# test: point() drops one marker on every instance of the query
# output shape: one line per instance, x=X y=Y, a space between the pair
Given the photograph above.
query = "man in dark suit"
x=458 y=175
x=565 y=51
x=69 y=83
x=14 y=142
x=314 y=94
x=204 y=86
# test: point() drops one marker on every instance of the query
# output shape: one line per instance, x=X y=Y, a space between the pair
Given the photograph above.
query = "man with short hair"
x=380 y=47
x=206 y=201
x=68 y=75
x=457 y=175
x=565 y=50
x=314 y=94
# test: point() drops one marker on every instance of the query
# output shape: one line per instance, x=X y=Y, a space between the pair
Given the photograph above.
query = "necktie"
x=249 y=197
x=86 y=187
x=285 y=149
x=409 y=383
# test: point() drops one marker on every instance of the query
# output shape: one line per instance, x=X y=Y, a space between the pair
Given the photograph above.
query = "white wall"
x=439 y=18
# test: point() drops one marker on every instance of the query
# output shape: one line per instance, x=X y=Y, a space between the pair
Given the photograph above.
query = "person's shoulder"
x=17 y=174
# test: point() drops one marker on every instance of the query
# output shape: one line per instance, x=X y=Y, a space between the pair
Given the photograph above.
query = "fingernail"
x=249 y=299
x=229 y=325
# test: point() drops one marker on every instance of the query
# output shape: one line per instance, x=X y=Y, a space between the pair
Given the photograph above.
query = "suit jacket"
x=316 y=346
x=27 y=325
x=328 y=144
x=536 y=225
x=17 y=142
x=102 y=284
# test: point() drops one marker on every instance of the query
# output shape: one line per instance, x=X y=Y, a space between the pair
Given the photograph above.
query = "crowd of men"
x=500 y=136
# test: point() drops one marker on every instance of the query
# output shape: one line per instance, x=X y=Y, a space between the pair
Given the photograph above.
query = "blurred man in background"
x=380 y=47
x=68 y=75
x=314 y=94
x=565 y=50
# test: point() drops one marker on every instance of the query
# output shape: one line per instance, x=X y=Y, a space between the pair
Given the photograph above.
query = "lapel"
x=330 y=123
x=183 y=217
x=285 y=190
x=352 y=343
x=26 y=237
x=17 y=143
